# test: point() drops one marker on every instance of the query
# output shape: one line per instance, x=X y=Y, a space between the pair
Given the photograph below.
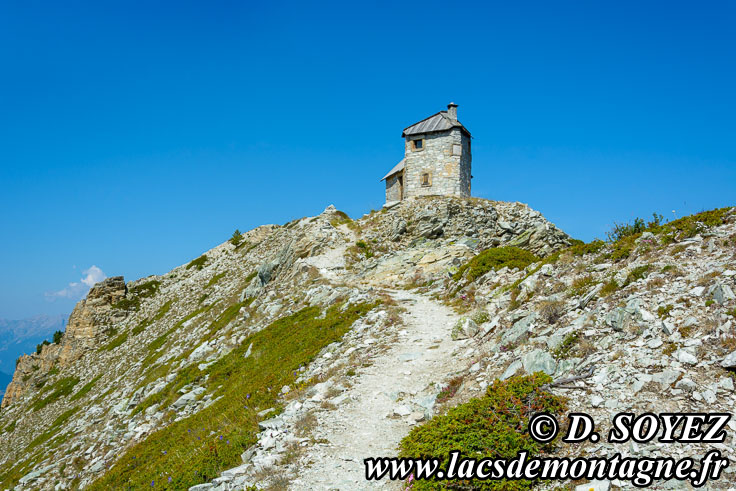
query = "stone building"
x=436 y=159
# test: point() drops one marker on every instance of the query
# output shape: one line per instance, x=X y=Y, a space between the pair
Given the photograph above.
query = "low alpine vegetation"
x=63 y=387
x=196 y=449
x=495 y=259
x=493 y=426
x=198 y=263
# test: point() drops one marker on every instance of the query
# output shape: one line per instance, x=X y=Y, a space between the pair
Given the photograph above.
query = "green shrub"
x=237 y=238
x=226 y=317
x=581 y=285
x=623 y=248
x=480 y=317
x=62 y=387
x=636 y=274
x=147 y=289
x=141 y=327
x=115 y=342
x=609 y=288
x=664 y=311
x=159 y=315
x=580 y=248
x=450 y=389
x=566 y=347
x=214 y=280
x=57 y=337
x=364 y=248
x=495 y=258
x=85 y=389
x=493 y=426
x=40 y=346
x=691 y=225
x=53 y=429
x=196 y=449
x=671 y=270
x=128 y=303
x=340 y=218
x=551 y=310
x=157 y=343
x=10 y=428
x=621 y=230
x=198 y=263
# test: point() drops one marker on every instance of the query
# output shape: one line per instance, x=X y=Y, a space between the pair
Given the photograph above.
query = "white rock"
x=402 y=410
x=654 y=343
x=726 y=383
x=729 y=361
x=709 y=396
x=686 y=384
x=511 y=370
x=686 y=357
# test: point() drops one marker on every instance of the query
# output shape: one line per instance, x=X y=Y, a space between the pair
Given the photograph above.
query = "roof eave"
x=459 y=126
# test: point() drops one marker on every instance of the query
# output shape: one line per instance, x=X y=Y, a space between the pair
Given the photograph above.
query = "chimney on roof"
x=452 y=111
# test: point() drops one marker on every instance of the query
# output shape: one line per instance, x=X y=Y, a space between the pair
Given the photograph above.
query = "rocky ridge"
x=648 y=321
x=75 y=408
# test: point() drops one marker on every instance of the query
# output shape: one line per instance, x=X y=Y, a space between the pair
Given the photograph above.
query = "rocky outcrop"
x=489 y=223
x=86 y=328
x=422 y=239
x=30 y=370
x=91 y=317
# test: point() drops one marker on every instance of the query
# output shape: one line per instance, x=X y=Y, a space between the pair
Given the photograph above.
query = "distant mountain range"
x=21 y=336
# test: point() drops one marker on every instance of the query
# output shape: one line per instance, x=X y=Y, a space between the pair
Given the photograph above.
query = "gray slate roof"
x=397 y=168
x=436 y=122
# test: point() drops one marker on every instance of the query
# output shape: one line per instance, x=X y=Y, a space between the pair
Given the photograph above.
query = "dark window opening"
x=418 y=144
x=425 y=179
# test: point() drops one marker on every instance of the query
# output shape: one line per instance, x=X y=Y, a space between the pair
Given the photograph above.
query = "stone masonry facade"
x=441 y=167
x=437 y=159
x=394 y=188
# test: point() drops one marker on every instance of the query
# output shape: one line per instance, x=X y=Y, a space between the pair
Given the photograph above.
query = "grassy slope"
x=196 y=449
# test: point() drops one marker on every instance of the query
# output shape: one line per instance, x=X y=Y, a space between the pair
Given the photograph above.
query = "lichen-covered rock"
x=464 y=329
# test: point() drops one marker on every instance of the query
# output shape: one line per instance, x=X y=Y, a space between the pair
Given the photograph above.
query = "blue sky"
x=136 y=135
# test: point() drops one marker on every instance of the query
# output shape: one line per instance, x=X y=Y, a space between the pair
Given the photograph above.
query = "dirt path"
x=398 y=381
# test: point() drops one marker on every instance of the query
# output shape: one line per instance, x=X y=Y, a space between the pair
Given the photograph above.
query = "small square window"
x=418 y=144
x=425 y=180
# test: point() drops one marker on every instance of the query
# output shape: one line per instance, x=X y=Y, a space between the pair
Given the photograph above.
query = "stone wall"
x=393 y=188
x=446 y=157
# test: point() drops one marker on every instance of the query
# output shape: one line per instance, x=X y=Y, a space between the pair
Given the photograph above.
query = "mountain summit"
x=286 y=355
